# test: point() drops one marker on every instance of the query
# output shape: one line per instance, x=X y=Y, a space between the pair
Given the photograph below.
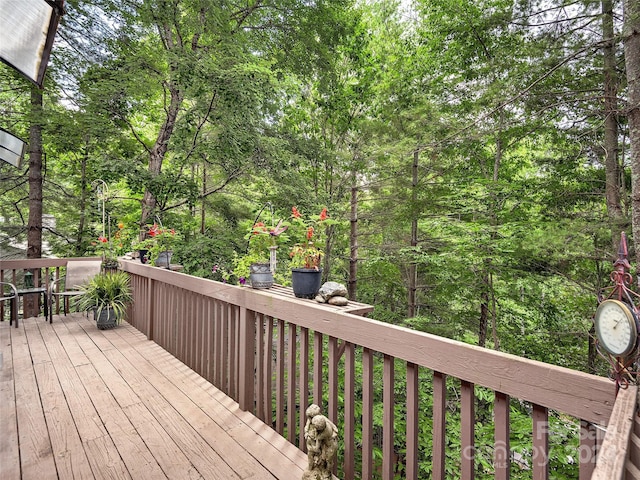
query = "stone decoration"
x=338 y=301
x=330 y=290
x=321 y=436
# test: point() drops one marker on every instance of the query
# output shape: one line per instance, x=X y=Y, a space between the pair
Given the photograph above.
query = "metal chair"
x=79 y=273
x=9 y=292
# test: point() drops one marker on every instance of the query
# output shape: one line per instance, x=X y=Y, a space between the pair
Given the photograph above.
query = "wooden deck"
x=80 y=403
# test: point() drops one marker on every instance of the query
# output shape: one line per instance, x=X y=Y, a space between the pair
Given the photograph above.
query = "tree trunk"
x=484 y=312
x=34 y=225
x=159 y=150
x=631 y=36
x=612 y=165
x=203 y=213
x=413 y=267
x=353 y=240
x=487 y=295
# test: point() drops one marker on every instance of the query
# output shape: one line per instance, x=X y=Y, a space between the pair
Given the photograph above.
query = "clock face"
x=616 y=327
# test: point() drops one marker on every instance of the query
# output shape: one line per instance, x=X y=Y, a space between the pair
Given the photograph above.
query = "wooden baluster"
x=439 y=431
x=367 y=414
x=247 y=350
x=260 y=366
x=540 y=443
x=280 y=379
x=413 y=442
x=349 y=412
x=304 y=382
x=291 y=383
x=467 y=422
x=268 y=374
x=388 y=431
x=502 y=456
x=318 y=362
x=588 y=448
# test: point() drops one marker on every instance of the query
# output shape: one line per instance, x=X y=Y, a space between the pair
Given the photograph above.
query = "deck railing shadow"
x=389 y=389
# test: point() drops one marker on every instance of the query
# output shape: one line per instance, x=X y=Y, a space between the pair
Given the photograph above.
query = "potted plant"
x=157 y=246
x=108 y=295
x=109 y=259
x=112 y=247
x=259 y=263
x=306 y=255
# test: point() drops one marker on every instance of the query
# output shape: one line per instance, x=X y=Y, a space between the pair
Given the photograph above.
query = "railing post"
x=247 y=358
x=614 y=451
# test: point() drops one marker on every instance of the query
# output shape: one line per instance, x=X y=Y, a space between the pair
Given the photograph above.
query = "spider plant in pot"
x=108 y=295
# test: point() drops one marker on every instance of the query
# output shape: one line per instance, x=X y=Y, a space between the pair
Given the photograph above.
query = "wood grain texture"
x=413 y=413
x=540 y=442
x=581 y=395
x=68 y=454
x=613 y=453
x=439 y=426
x=36 y=453
x=9 y=455
x=113 y=405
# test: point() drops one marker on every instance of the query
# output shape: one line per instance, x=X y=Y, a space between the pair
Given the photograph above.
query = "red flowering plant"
x=110 y=248
x=157 y=239
x=306 y=253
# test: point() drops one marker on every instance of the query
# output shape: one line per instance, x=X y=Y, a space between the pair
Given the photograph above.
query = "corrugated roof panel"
x=27 y=28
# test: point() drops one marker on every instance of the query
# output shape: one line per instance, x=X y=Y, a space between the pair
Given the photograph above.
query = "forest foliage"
x=459 y=145
x=473 y=154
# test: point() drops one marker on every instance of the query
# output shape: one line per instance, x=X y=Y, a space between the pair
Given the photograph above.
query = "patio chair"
x=9 y=292
x=79 y=272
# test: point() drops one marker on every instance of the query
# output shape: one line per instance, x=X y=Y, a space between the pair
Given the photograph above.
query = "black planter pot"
x=306 y=282
x=107 y=319
x=260 y=275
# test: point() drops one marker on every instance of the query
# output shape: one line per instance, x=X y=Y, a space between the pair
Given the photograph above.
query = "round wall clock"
x=616 y=328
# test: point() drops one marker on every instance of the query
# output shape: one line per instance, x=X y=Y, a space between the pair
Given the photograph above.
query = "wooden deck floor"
x=80 y=403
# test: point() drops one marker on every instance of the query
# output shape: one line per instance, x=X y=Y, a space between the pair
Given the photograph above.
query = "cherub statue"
x=321 y=436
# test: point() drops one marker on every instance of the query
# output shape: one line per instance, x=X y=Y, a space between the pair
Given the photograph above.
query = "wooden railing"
x=242 y=340
x=275 y=355
x=619 y=456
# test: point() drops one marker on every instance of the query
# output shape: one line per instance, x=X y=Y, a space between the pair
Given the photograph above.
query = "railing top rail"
x=23 y=263
x=584 y=396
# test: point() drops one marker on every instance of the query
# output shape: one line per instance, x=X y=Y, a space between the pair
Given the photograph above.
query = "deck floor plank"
x=270 y=448
x=82 y=403
x=197 y=434
x=174 y=421
x=101 y=452
x=68 y=452
x=36 y=455
x=107 y=389
x=9 y=454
